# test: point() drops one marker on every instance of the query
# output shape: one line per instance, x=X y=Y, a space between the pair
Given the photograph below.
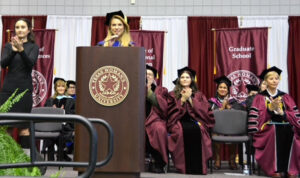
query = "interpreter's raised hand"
x=17 y=44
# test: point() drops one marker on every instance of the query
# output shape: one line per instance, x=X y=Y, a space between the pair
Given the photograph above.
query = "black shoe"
x=157 y=168
x=66 y=157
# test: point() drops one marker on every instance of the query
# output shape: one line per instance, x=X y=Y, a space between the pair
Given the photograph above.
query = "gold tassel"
x=195 y=78
x=125 y=19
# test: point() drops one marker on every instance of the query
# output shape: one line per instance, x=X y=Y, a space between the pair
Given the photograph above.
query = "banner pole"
x=215 y=51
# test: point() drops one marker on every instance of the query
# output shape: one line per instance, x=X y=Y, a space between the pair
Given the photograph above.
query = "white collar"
x=274 y=94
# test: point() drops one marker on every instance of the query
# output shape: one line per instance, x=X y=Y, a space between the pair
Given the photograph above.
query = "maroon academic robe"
x=155 y=123
x=264 y=134
x=200 y=111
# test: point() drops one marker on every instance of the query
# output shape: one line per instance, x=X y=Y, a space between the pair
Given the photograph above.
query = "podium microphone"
x=112 y=37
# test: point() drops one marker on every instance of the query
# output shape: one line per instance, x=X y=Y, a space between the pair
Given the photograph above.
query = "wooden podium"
x=126 y=118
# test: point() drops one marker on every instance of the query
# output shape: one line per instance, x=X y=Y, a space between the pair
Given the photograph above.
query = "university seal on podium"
x=109 y=85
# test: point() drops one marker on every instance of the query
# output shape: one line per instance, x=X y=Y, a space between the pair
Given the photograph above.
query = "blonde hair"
x=57 y=84
x=125 y=38
x=269 y=74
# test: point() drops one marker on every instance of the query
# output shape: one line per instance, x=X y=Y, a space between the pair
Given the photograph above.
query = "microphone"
x=112 y=37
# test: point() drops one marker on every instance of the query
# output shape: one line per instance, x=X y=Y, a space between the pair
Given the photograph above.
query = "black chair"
x=50 y=130
x=231 y=126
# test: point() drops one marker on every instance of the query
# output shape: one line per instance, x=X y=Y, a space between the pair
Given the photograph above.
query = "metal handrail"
x=17 y=118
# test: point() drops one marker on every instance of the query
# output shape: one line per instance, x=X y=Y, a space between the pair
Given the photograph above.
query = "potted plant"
x=11 y=152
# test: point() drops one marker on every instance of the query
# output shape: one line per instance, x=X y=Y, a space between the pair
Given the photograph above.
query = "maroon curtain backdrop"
x=294 y=58
x=201 y=48
x=9 y=24
x=99 y=29
x=241 y=55
x=153 y=42
x=42 y=72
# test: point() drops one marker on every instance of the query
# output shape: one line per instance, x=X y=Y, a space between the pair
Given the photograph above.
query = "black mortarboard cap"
x=152 y=69
x=223 y=79
x=272 y=69
x=111 y=14
x=252 y=88
x=180 y=71
x=175 y=81
x=57 y=78
x=70 y=82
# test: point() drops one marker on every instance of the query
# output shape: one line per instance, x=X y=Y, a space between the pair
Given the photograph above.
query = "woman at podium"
x=156 y=122
x=118 y=34
x=189 y=121
x=274 y=121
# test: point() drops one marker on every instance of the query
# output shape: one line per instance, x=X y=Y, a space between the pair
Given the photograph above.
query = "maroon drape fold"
x=294 y=58
x=201 y=48
x=99 y=29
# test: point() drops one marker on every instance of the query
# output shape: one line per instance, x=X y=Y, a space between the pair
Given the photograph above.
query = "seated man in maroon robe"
x=189 y=121
x=155 y=124
x=274 y=120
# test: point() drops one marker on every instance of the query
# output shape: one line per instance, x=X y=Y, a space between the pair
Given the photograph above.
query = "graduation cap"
x=153 y=70
x=57 y=79
x=70 y=82
x=223 y=79
x=272 y=69
x=110 y=15
x=252 y=88
x=191 y=71
x=175 y=81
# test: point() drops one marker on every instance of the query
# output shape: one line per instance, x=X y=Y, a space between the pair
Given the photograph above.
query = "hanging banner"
x=153 y=42
x=241 y=55
x=42 y=72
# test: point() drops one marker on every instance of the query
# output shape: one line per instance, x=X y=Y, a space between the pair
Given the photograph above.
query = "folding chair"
x=48 y=130
x=231 y=127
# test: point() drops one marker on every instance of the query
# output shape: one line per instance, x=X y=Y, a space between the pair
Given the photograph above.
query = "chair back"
x=48 y=126
x=230 y=122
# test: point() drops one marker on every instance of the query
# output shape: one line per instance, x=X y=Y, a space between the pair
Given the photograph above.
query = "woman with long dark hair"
x=189 y=121
x=19 y=56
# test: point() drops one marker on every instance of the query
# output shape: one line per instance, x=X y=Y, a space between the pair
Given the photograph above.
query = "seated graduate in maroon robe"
x=220 y=102
x=274 y=120
x=155 y=124
x=189 y=121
